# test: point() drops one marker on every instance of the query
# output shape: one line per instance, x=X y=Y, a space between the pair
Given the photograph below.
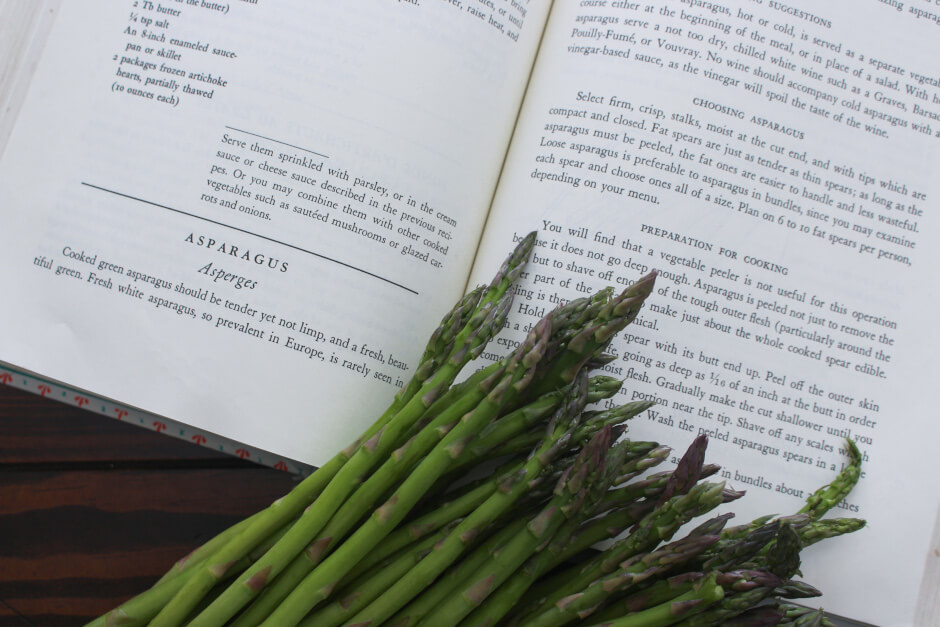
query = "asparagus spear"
x=828 y=528
x=831 y=495
x=792 y=589
x=798 y=616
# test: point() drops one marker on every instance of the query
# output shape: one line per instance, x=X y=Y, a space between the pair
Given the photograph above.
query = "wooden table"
x=93 y=510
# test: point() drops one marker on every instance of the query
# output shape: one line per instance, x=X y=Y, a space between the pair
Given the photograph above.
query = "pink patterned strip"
x=36 y=385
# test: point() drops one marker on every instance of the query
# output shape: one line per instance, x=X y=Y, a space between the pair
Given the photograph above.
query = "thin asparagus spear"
x=797 y=616
x=828 y=528
x=831 y=495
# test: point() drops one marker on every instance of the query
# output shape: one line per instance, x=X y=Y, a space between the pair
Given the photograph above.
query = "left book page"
x=248 y=216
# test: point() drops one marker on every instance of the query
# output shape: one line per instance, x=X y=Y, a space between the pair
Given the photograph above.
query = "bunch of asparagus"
x=478 y=502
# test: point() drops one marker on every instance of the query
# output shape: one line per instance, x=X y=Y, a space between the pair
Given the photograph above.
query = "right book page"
x=776 y=163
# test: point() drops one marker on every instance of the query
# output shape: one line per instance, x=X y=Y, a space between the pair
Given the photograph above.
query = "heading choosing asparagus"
x=478 y=502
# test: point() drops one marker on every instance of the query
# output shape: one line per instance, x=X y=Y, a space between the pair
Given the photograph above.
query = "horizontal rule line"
x=246 y=232
x=277 y=141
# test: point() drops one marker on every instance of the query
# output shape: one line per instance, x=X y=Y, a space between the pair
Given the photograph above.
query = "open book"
x=247 y=216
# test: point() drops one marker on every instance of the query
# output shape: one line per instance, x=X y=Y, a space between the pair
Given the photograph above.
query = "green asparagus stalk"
x=827 y=528
x=793 y=589
x=797 y=616
x=831 y=495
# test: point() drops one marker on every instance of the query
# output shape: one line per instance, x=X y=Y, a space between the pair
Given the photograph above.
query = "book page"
x=249 y=216
x=776 y=163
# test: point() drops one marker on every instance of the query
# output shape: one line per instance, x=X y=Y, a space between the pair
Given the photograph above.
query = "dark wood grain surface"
x=93 y=510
